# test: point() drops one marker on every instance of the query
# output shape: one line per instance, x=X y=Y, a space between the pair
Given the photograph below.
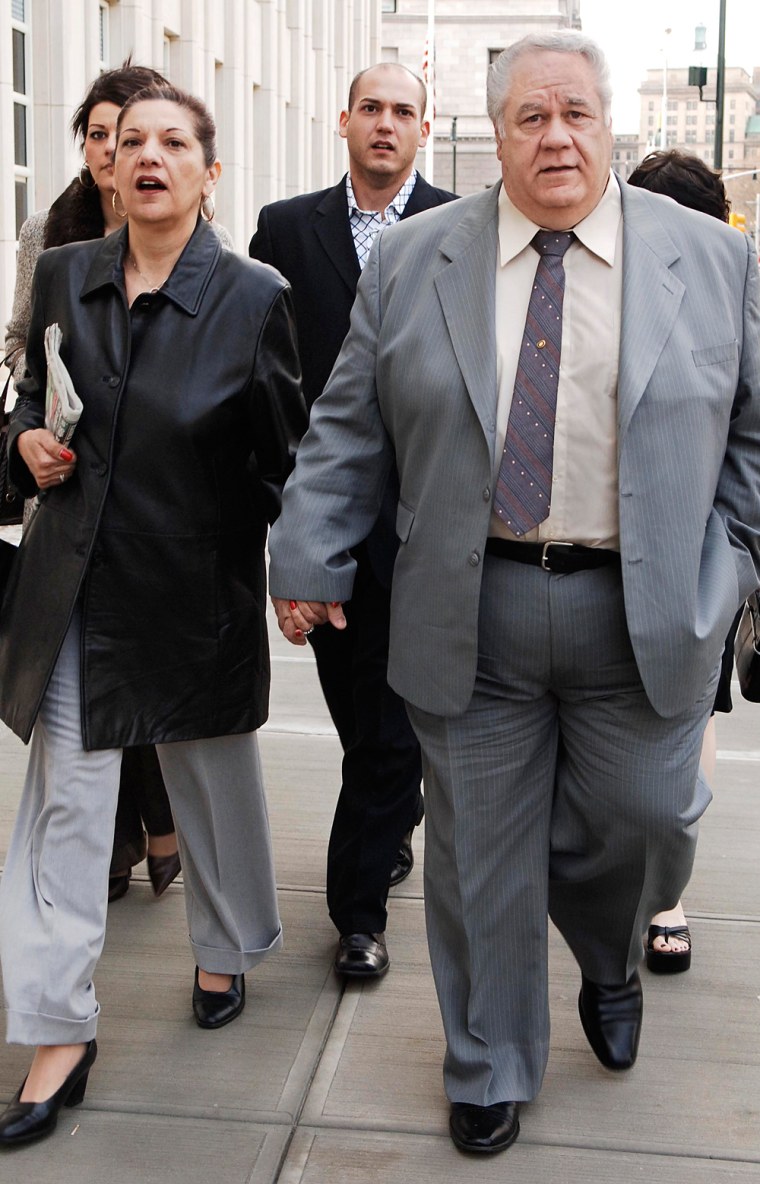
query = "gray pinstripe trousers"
x=53 y=895
x=561 y=790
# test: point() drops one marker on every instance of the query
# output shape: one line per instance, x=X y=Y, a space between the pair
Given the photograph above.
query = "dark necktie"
x=523 y=490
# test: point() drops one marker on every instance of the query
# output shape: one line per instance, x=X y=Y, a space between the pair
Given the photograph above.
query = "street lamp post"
x=453 y=154
x=720 y=87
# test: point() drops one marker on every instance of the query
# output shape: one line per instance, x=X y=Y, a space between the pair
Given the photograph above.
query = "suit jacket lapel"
x=652 y=296
x=333 y=229
x=466 y=291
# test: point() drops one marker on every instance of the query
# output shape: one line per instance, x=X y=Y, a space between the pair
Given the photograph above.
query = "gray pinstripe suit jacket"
x=417 y=379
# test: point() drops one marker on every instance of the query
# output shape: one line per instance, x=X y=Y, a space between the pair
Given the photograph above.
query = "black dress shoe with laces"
x=23 y=1122
x=611 y=1018
x=214 y=1009
x=484 y=1129
x=362 y=955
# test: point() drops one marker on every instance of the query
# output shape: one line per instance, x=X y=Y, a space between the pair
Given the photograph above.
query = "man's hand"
x=49 y=462
x=297 y=618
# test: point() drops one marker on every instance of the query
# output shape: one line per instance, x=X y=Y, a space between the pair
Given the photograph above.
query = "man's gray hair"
x=558 y=41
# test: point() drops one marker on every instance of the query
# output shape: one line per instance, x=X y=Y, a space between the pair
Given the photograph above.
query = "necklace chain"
x=150 y=284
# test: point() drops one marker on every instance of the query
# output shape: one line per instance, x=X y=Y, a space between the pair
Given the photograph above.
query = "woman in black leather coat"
x=136 y=608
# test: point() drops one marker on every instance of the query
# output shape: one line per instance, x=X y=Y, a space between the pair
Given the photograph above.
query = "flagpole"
x=430 y=146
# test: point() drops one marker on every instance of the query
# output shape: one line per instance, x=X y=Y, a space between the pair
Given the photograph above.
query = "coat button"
x=487 y=494
x=111 y=379
x=474 y=559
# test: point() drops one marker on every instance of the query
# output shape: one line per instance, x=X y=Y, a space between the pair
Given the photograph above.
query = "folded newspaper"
x=63 y=406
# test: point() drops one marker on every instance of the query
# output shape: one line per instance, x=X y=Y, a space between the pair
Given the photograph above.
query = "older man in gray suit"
x=567 y=374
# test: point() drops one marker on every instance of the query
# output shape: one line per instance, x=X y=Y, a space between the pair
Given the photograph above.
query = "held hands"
x=296 y=618
x=49 y=462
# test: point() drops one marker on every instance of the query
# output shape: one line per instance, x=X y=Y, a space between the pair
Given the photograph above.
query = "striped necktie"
x=523 y=489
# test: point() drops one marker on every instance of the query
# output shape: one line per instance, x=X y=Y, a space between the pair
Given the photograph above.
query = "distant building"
x=690 y=124
x=274 y=72
x=469 y=35
x=625 y=154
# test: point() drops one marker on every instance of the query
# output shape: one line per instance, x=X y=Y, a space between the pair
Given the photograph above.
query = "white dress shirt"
x=584 y=500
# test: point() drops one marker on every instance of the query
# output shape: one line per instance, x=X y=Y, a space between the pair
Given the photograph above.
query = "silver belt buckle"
x=545 y=557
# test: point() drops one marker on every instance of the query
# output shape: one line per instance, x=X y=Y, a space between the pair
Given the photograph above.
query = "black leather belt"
x=561 y=557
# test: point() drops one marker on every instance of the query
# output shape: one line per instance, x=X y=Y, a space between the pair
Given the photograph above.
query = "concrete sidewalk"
x=321 y=1084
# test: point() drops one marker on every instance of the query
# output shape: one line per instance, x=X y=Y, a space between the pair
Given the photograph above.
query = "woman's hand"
x=49 y=462
x=297 y=618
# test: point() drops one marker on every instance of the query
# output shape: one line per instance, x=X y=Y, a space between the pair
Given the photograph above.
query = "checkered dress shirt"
x=367 y=224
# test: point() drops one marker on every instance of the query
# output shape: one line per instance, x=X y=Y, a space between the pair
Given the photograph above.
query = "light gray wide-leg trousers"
x=559 y=789
x=54 y=890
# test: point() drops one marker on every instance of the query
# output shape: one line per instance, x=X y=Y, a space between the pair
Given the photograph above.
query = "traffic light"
x=739 y=221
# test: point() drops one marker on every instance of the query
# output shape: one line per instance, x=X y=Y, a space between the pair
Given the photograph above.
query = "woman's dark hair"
x=685 y=178
x=115 y=86
x=77 y=215
x=203 y=123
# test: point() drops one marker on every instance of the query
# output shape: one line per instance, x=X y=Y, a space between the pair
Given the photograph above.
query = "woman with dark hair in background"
x=692 y=183
x=85 y=211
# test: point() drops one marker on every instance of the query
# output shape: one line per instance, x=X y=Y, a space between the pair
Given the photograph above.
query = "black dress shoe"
x=362 y=955
x=405 y=858
x=404 y=861
x=611 y=1018
x=118 y=886
x=162 y=869
x=23 y=1122
x=214 y=1009
x=484 y=1128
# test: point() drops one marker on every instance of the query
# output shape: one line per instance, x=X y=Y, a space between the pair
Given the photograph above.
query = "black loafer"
x=611 y=1018
x=362 y=955
x=484 y=1129
x=214 y=1009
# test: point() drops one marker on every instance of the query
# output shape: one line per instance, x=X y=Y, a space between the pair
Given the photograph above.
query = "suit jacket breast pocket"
x=715 y=355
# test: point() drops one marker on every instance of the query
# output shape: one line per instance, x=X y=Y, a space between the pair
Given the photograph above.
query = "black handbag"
x=11 y=501
x=747 y=650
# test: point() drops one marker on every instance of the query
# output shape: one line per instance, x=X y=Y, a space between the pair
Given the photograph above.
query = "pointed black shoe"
x=23 y=1122
x=484 y=1129
x=214 y=1009
x=611 y=1018
x=162 y=870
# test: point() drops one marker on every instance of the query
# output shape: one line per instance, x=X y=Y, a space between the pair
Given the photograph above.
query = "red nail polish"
x=299 y=633
x=294 y=604
x=334 y=603
x=64 y=454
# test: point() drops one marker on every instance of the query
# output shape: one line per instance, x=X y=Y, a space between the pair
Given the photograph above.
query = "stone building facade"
x=274 y=72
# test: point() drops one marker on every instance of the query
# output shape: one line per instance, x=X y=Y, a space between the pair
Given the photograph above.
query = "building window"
x=731 y=136
x=732 y=119
x=104 y=53
x=493 y=54
x=691 y=137
x=651 y=104
x=22 y=109
x=651 y=121
x=732 y=104
x=389 y=6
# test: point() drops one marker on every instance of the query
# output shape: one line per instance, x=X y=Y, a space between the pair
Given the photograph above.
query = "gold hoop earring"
x=84 y=174
x=118 y=213
x=205 y=208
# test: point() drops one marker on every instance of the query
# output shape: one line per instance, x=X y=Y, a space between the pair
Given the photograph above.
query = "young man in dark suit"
x=320 y=242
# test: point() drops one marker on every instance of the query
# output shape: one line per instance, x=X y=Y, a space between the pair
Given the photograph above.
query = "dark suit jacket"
x=308 y=239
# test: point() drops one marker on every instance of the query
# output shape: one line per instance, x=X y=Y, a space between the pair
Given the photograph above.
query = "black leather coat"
x=192 y=415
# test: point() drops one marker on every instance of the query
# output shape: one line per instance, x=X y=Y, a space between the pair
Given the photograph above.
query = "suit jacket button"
x=474 y=559
x=487 y=494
